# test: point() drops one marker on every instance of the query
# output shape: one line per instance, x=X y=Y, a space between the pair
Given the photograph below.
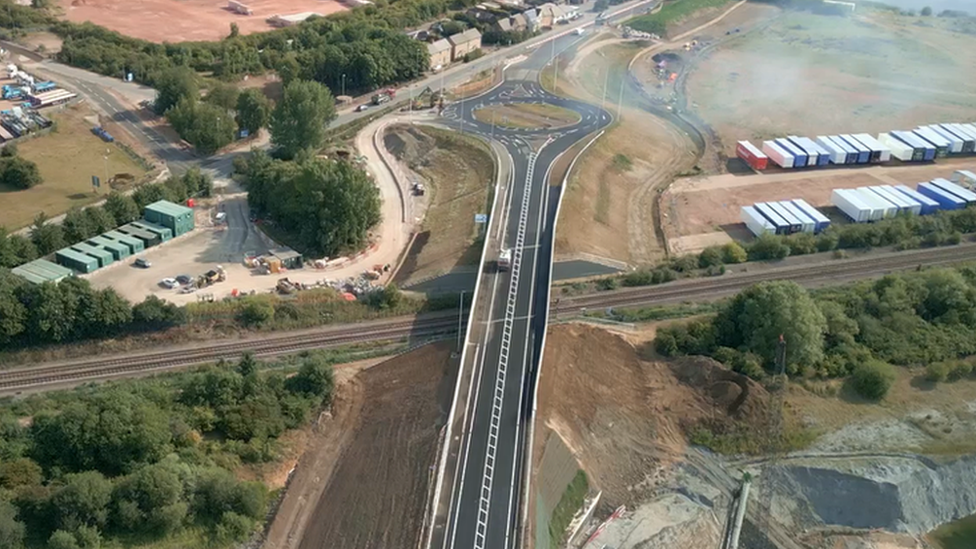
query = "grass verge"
x=671 y=12
x=566 y=509
x=526 y=115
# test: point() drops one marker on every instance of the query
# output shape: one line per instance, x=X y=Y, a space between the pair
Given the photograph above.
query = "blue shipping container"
x=928 y=205
x=956 y=190
x=863 y=153
x=822 y=221
x=799 y=157
x=782 y=227
x=946 y=200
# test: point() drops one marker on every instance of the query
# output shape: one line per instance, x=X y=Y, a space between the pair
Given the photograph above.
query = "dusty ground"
x=67 y=158
x=527 y=115
x=702 y=211
x=387 y=427
x=869 y=73
x=188 y=20
x=459 y=174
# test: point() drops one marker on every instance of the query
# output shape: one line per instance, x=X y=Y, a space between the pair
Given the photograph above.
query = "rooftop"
x=439 y=46
x=465 y=37
x=169 y=208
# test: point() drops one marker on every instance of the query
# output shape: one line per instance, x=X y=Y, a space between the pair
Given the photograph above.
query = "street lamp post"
x=343 y=84
x=460 y=320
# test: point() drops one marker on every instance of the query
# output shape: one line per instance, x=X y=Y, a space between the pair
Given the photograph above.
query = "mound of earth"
x=626 y=418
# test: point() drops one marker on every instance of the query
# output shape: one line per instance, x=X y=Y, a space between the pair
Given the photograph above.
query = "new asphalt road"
x=485 y=503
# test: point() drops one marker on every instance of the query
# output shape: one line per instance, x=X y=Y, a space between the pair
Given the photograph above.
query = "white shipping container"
x=898 y=148
x=962 y=130
x=837 y=154
x=964 y=178
x=928 y=205
x=796 y=225
x=800 y=158
x=851 y=204
x=815 y=214
x=887 y=208
x=807 y=224
x=775 y=153
x=903 y=204
x=756 y=223
x=874 y=145
x=946 y=185
x=955 y=144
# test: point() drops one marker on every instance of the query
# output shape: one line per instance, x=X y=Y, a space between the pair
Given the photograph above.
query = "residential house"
x=518 y=22
x=464 y=43
x=531 y=20
x=550 y=14
x=440 y=54
x=503 y=24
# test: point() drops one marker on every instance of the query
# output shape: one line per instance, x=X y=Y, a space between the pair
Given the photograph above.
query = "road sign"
x=96 y=182
x=481 y=218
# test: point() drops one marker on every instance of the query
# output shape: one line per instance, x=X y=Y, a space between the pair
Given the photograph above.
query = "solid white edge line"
x=439 y=483
x=476 y=389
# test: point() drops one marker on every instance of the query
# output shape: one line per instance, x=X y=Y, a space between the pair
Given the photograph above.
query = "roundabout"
x=527 y=116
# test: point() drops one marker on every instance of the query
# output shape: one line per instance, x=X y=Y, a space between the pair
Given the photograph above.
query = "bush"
x=873 y=379
x=606 y=284
x=256 y=312
x=768 y=247
x=733 y=253
x=710 y=257
x=638 y=278
x=937 y=371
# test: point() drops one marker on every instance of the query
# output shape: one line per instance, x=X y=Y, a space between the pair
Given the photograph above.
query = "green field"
x=569 y=504
x=677 y=10
x=958 y=534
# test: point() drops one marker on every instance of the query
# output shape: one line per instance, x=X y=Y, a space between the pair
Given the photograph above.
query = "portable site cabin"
x=863 y=153
x=928 y=205
x=800 y=158
x=923 y=150
x=164 y=233
x=751 y=155
x=853 y=155
x=968 y=141
x=755 y=222
x=836 y=154
x=940 y=143
x=118 y=250
x=83 y=263
x=851 y=203
x=40 y=271
x=818 y=156
x=963 y=193
x=955 y=143
x=103 y=256
x=821 y=221
x=134 y=244
x=782 y=226
x=807 y=224
x=778 y=155
x=886 y=209
x=178 y=219
x=904 y=204
x=148 y=238
x=946 y=200
x=879 y=153
x=964 y=130
x=796 y=225
x=899 y=149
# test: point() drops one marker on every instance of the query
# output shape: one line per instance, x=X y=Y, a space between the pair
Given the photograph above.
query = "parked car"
x=362 y=107
x=142 y=263
x=184 y=279
x=220 y=217
x=169 y=283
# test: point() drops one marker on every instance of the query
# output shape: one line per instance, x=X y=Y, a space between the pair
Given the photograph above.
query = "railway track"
x=399 y=329
x=703 y=289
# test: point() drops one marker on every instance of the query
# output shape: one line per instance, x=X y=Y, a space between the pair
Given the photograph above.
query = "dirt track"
x=376 y=494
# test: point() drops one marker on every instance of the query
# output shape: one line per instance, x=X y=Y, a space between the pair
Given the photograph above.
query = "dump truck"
x=384 y=96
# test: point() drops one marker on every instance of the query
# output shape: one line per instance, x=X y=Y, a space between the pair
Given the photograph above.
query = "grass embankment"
x=68 y=156
x=566 y=509
x=527 y=115
x=958 y=534
x=670 y=13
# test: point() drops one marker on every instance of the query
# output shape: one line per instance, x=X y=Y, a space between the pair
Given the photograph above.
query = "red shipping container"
x=756 y=159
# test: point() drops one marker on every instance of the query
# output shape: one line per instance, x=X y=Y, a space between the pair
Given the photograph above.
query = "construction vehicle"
x=418 y=189
x=505 y=260
x=384 y=96
x=285 y=286
x=212 y=276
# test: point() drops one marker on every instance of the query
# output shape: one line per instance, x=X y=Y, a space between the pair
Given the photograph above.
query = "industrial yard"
x=192 y=20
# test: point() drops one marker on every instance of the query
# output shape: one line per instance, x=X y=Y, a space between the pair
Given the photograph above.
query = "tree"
x=756 y=318
x=19 y=472
x=710 y=257
x=197 y=183
x=47 y=237
x=77 y=226
x=19 y=173
x=234 y=527
x=83 y=501
x=206 y=126
x=733 y=253
x=314 y=378
x=223 y=95
x=253 y=110
x=13 y=313
x=288 y=68
x=174 y=85
x=873 y=378
x=62 y=539
x=768 y=246
x=157 y=314
x=100 y=220
x=256 y=312
x=301 y=117
x=235 y=31
x=926 y=11
x=9 y=150
x=121 y=207
x=15 y=249
x=12 y=531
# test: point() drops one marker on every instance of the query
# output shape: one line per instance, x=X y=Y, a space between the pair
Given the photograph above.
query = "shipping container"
x=807 y=223
x=755 y=221
x=955 y=144
x=83 y=263
x=879 y=152
x=946 y=200
x=882 y=208
x=967 y=129
x=899 y=149
x=776 y=153
x=40 y=271
x=165 y=234
x=852 y=153
x=134 y=244
x=903 y=204
x=148 y=238
x=964 y=178
x=752 y=156
x=800 y=158
x=782 y=226
x=922 y=150
x=971 y=128
x=816 y=154
x=851 y=204
x=940 y=143
x=795 y=224
x=948 y=186
x=119 y=250
x=177 y=218
x=821 y=220
x=863 y=153
x=968 y=141
x=103 y=256
x=837 y=154
x=928 y=205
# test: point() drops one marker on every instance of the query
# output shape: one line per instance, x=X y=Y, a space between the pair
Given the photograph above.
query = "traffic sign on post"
x=481 y=218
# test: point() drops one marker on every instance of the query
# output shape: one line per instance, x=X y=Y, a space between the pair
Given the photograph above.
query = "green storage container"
x=164 y=232
x=83 y=263
x=40 y=271
x=119 y=250
x=148 y=238
x=103 y=256
x=178 y=219
x=134 y=244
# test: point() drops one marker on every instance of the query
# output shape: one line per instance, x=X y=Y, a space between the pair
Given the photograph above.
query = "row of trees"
x=909 y=319
x=323 y=207
x=83 y=223
x=147 y=458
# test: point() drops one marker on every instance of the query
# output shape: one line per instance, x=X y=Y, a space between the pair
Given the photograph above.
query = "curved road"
x=485 y=503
